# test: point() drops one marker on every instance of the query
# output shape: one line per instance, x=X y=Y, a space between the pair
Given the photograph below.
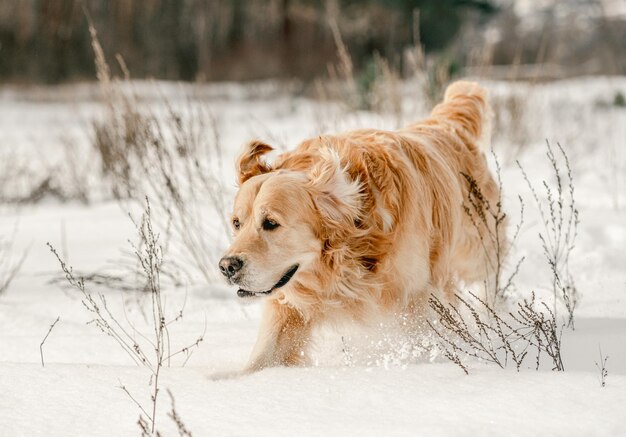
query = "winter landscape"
x=128 y=184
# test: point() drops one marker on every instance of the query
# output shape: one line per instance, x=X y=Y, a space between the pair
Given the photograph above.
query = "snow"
x=386 y=387
x=426 y=399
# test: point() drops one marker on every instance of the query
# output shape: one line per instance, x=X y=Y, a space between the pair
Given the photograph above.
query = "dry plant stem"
x=145 y=428
x=45 y=338
x=560 y=220
x=150 y=257
x=601 y=366
x=187 y=350
x=173 y=169
x=490 y=223
x=103 y=318
x=144 y=425
x=151 y=260
x=125 y=390
x=183 y=431
x=348 y=358
x=345 y=62
x=173 y=156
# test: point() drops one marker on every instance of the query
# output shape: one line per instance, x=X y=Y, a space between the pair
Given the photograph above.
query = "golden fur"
x=374 y=220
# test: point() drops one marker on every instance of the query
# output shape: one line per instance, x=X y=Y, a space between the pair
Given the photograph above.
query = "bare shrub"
x=153 y=352
x=472 y=328
x=559 y=216
x=174 y=157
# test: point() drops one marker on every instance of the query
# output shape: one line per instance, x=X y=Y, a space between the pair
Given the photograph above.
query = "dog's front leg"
x=282 y=340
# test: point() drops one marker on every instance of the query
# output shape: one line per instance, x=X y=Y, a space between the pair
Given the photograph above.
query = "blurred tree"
x=440 y=20
x=48 y=40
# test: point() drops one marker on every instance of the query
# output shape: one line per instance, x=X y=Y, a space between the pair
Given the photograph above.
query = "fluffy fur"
x=373 y=219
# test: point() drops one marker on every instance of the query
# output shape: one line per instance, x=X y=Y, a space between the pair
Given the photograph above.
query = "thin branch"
x=45 y=338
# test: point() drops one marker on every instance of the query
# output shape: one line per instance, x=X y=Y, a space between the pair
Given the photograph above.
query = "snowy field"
x=365 y=380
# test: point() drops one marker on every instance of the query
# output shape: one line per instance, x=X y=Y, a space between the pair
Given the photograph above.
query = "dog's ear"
x=336 y=196
x=250 y=164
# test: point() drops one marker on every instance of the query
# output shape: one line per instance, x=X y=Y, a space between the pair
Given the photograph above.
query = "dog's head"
x=282 y=217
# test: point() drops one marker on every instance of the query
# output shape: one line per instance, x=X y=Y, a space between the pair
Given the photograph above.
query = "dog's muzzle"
x=282 y=282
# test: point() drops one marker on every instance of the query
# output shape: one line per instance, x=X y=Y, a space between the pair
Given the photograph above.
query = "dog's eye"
x=236 y=224
x=269 y=224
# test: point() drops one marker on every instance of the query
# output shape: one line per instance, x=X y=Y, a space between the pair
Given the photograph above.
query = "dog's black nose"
x=230 y=265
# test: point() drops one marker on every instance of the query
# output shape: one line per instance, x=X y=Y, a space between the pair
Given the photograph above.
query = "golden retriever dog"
x=351 y=226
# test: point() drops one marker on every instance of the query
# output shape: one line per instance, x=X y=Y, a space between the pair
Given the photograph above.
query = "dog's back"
x=416 y=182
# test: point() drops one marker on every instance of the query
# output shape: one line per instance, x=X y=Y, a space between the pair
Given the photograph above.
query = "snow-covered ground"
x=377 y=388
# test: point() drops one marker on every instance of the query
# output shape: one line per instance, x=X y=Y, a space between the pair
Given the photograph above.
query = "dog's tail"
x=466 y=105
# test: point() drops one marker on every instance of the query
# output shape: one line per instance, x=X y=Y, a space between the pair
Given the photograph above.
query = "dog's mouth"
x=281 y=282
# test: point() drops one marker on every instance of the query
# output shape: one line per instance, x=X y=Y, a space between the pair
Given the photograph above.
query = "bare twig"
x=559 y=215
x=125 y=390
x=103 y=318
x=45 y=338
